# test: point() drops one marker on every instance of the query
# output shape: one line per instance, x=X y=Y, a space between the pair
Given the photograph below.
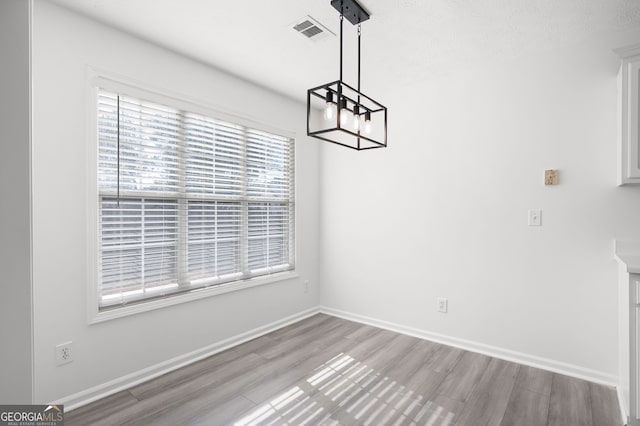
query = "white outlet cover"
x=443 y=305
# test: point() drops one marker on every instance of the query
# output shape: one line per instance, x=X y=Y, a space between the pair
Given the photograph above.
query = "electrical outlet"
x=443 y=305
x=64 y=354
x=306 y=286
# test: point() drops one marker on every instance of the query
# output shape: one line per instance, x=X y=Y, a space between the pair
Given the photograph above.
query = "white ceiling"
x=403 y=42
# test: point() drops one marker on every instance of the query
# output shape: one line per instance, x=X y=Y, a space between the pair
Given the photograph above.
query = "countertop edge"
x=628 y=252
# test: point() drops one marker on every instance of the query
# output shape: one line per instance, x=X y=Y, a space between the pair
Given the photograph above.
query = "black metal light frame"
x=343 y=92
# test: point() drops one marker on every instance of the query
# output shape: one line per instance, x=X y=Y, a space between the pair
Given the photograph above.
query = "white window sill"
x=197 y=294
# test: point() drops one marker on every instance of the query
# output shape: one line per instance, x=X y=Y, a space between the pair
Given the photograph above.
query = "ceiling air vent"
x=311 y=28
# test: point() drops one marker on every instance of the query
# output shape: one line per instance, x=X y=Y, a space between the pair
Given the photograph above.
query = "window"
x=190 y=201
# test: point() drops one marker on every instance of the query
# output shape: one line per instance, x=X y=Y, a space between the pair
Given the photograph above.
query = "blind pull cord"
x=118 y=160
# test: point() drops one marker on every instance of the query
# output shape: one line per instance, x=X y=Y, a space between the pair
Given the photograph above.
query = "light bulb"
x=344 y=117
x=329 y=112
x=367 y=122
x=356 y=117
x=344 y=113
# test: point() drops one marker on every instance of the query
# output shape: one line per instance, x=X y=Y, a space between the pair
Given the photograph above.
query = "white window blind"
x=187 y=201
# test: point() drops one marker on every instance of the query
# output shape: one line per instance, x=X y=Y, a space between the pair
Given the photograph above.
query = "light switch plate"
x=535 y=217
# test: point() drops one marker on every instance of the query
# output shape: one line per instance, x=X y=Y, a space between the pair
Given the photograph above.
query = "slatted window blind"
x=187 y=201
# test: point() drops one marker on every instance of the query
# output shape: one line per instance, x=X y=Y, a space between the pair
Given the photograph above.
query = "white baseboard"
x=87 y=396
x=493 y=351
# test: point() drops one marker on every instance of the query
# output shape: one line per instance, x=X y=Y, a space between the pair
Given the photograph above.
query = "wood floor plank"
x=526 y=408
x=223 y=414
x=196 y=377
x=413 y=377
x=444 y=359
x=350 y=372
x=366 y=375
x=198 y=369
x=341 y=400
x=92 y=413
x=301 y=326
x=400 y=411
x=404 y=409
x=423 y=351
x=488 y=401
x=211 y=386
x=296 y=376
x=270 y=369
x=293 y=408
x=382 y=359
x=535 y=380
x=266 y=378
x=221 y=385
x=205 y=409
x=350 y=369
x=441 y=411
x=327 y=348
x=309 y=337
x=383 y=397
x=395 y=405
x=363 y=332
x=363 y=349
x=239 y=380
x=604 y=406
x=459 y=383
x=570 y=402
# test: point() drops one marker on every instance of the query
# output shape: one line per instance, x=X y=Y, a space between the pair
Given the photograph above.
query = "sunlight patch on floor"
x=360 y=392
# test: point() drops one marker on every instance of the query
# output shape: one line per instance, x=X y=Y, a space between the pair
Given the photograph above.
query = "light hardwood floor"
x=329 y=371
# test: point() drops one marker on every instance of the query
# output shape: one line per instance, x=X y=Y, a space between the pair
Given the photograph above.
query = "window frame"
x=96 y=80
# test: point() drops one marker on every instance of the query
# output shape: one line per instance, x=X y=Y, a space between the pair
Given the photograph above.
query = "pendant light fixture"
x=339 y=113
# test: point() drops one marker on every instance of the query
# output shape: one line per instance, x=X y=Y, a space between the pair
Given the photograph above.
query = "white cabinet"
x=628 y=113
x=634 y=355
x=628 y=253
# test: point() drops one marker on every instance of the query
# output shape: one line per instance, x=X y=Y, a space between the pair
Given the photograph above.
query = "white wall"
x=443 y=211
x=63 y=45
x=15 y=189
